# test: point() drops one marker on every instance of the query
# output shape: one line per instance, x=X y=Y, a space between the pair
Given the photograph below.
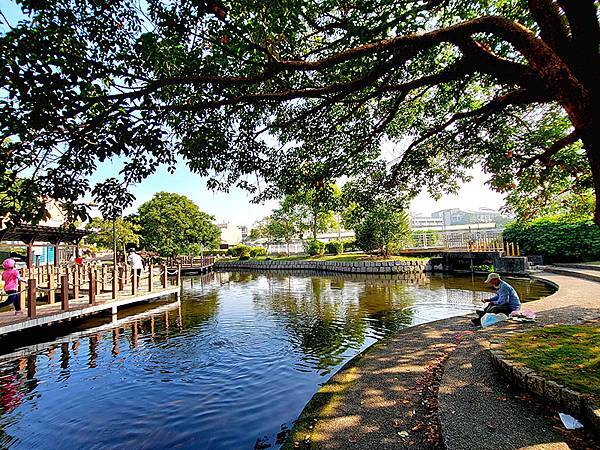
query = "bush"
x=215 y=252
x=557 y=238
x=350 y=245
x=315 y=248
x=237 y=250
x=334 y=247
x=241 y=249
x=258 y=251
x=244 y=256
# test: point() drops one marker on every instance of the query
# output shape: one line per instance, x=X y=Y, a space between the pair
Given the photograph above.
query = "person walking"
x=505 y=301
x=10 y=276
x=137 y=264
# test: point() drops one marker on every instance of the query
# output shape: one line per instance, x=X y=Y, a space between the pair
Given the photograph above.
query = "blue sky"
x=236 y=207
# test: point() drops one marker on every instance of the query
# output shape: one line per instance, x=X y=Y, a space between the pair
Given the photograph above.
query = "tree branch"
x=545 y=156
x=553 y=29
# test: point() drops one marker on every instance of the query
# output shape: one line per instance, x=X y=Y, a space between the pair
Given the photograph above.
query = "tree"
x=172 y=224
x=383 y=228
x=242 y=88
x=127 y=232
x=312 y=209
x=280 y=227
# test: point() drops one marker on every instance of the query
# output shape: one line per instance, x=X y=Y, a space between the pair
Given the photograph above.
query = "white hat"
x=492 y=276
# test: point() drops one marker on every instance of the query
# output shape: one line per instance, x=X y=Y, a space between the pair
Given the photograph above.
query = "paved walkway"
x=388 y=397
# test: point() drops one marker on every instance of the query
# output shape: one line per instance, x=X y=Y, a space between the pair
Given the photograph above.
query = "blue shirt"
x=507 y=296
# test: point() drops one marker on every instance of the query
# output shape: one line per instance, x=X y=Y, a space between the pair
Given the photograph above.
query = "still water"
x=233 y=363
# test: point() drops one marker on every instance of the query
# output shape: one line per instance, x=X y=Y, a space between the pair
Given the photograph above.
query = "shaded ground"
x=387 y=397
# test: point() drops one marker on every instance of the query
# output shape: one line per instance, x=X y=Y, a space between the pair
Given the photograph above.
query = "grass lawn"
x=567 y=354
x=345 y=257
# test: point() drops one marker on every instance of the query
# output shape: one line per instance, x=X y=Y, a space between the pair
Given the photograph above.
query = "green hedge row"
x=246 y=251
x=557 y=239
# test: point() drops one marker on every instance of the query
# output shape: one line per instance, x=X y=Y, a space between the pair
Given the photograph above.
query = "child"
x=10 y=276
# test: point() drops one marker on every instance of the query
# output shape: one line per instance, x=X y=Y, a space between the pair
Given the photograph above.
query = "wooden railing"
x=73 y=283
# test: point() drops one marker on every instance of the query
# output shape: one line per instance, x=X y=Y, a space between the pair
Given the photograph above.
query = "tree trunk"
x=591 y=142
x=314 y=227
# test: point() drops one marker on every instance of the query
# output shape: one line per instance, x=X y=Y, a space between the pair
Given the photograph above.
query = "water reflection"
x=235 y=361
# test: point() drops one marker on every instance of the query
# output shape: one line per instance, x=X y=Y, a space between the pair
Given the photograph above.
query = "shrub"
x=258 y=251
x=237 y=250
x=315 y=248
x=334 y=247
x=350 y=245
x=245 y=256
x=557 y=238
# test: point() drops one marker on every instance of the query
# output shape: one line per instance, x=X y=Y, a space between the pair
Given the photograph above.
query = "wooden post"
x=31 y=292
x=179 y=275
x=64 y=292
x=30 y=255
x=103 y=275
x=518 y=250
x=150 y=280
x=134 y=281
x=76 y=283
x=115 y=275
x=92 y=285
x=56 y=255
x=23 y=294
x=51 y=284
x=164 y=276
x=121 y=272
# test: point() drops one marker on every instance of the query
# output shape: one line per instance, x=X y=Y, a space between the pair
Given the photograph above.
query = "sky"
x=236 y=207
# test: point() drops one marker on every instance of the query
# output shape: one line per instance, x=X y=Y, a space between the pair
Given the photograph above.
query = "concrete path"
x=388 y=396
x=471 y=397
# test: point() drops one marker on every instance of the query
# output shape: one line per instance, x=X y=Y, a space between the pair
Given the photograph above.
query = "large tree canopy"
x=246 y=91
x=171 y=224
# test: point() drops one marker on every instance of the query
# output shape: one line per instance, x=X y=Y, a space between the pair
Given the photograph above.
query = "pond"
x=230 y=366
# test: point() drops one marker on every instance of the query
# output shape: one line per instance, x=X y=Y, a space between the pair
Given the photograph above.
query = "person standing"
x=10 y=276
x=136 y=262
x=505 y=301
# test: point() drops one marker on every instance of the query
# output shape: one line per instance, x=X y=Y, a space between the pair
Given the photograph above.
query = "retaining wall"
x=387 y=267
x=581 y=406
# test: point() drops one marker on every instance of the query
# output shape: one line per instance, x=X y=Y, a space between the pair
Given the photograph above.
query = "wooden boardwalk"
x=96 y=292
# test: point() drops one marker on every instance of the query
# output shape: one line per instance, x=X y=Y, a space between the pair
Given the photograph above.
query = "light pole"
x=114 y=238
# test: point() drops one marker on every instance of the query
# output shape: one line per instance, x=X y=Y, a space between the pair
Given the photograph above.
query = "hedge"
x=241 y=249
x=557 y=239
x=334 y=247
x=315 y=248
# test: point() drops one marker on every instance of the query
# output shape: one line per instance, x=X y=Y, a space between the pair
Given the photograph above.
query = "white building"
x=232 y=234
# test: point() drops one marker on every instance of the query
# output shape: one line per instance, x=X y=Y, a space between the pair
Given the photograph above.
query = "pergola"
x=29 y=234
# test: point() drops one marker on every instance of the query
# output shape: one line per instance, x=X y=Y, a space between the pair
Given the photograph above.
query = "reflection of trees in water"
x=466 y=289
x=17 y=381
x=326 y=316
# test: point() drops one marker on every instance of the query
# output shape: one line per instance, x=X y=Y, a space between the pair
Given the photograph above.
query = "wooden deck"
x=82 y=302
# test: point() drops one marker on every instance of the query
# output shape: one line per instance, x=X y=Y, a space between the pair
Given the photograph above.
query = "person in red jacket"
x=10 y=276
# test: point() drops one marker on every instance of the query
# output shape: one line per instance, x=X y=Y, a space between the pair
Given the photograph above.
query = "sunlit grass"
x=567 y=354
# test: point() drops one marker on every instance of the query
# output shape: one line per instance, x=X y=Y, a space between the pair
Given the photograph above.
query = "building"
x=232 y=234
x=426 y=223
x=457 y=216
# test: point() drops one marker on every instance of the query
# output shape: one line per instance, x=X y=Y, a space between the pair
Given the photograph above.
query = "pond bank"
x=386 y=267
x=388 y=396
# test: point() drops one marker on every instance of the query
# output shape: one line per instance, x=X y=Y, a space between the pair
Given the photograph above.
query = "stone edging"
x=574 y=403
x=332 y=266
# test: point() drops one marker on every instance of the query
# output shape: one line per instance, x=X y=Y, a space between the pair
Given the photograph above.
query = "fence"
x=76 y=283
x=475 y=241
